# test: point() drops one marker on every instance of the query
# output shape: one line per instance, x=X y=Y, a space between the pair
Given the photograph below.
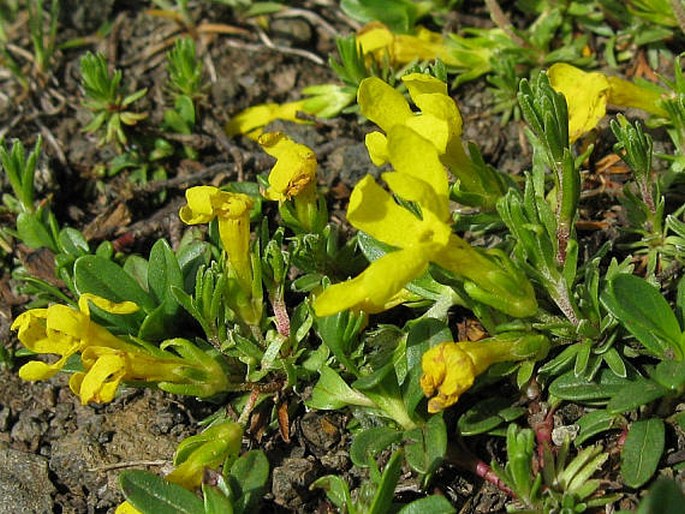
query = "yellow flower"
x=126 y=508
x=588 y=93
x=294 y=173
x=64 y=331
x=377 y=39
x=252 y=120
x=192 y=372
x=449 y=369
x=439 y=121
x=232 y=211
x=373 y=210
x=292 y=182
x=210 y=449
x=419 y=240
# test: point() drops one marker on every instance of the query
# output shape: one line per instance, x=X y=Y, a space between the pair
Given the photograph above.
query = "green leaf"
x=664 y=497
x=426 y=446
x=151 y=494
x=251 y=472
x=72 y=242
x=570 y=387
x=398 y=16
x=594 y=423
x=635 y=394
x=645 y=313
x=332 y=392
x=33 y=232
x=368 y=443
x=670 y=374
x=136 y=266
x=382 y=500
x=487 y=415
x=163 y=272
x=337 y=491
x=215 y=501
x=680 y=301
x=435 y=504
x=93 y=274
x=642 y=451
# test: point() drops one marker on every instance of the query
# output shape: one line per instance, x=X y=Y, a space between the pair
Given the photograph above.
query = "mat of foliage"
x=250 y=60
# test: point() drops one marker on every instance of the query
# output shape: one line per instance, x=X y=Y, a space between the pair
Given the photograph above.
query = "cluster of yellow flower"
x=107 y=359
x=434 y=134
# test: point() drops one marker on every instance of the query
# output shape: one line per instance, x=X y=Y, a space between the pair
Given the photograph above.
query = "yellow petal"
x=31 y=326
x=376 y=286
x=424 y=46
x=127 y=508
x=382 y=104
x=628 y=94
x=448 y=372
x=63 y=321
x=200 y=206
x=36 y=370
x=421 y=84
x=377 y=145
x=433 y=193
x=106 y=305
x=375 y=37
x=586 y=95
x=253 y=119
x=295 y=168
x=100 y=382
x=373 y=210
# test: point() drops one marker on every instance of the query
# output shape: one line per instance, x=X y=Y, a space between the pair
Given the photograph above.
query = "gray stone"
x=24 y=483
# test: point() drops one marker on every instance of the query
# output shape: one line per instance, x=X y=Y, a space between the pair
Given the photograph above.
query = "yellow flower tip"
x=252 y=120
x=127 y=508
x=30 y=326
x=421 y=84
x=125 y=307
x=375 y=39
x=106 y=368
x=381 y=103
x=628 y=94
x=586 y=96
x=295 y=168
x=448 y=372
x=36 y=370
x=377 y=145
x=207 y=202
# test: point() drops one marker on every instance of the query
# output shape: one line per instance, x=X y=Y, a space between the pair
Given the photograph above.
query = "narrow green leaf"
x=642 y=451
x=570 y=387
x=163 y=272
x=72 y=242
x=594 y=423
x=382 y=500
x=151 y=494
